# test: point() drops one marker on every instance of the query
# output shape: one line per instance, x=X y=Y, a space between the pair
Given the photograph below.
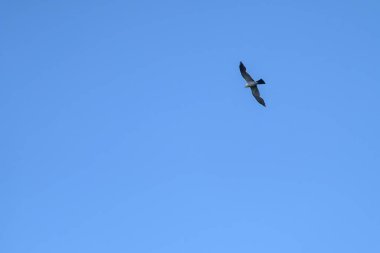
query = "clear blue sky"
x=126 y=127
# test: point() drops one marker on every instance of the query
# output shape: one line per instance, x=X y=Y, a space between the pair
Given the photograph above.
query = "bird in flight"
x=252 y=84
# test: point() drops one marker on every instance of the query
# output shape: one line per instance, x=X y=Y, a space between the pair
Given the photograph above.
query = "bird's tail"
x=261 y=81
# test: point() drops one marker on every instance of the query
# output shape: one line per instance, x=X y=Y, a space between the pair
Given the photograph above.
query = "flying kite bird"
x=252 y=84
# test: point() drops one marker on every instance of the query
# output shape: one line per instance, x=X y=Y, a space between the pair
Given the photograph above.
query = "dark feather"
x=256 y=94
x=244 y=73
x=261 y=81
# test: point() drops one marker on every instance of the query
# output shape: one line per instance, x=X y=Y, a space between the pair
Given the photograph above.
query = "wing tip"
x=242 y=67
x=262 y=102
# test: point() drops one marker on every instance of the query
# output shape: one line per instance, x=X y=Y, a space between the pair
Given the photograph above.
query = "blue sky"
x=126 y=126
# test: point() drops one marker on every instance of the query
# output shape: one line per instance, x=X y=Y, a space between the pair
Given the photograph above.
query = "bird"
x=252 y=84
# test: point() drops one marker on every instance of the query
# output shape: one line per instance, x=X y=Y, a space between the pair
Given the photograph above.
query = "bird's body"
x=251 y=83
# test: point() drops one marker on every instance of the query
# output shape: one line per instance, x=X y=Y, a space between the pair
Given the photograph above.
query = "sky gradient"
x=126 y=127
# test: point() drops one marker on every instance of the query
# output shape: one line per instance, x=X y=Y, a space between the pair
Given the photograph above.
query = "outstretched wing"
x=256 y=94
x=244 y=73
